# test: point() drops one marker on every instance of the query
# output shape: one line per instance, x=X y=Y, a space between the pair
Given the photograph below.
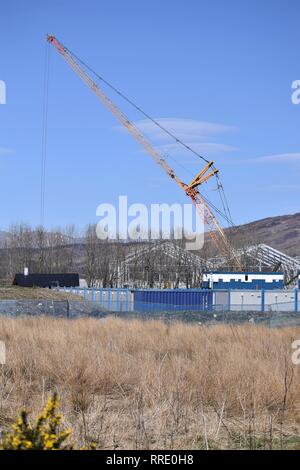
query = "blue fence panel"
x=179 y=300
x=173 y=300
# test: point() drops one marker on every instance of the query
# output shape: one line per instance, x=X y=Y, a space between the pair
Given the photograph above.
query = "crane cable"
x=226 y=215
x=129 y=101
x=44 y=133
x=224 y=199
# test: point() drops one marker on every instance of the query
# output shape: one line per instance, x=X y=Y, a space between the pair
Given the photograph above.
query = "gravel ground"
x=205 y=318
x=64 y=305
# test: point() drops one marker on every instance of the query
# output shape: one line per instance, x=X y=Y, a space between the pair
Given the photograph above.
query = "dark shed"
x=47 y=280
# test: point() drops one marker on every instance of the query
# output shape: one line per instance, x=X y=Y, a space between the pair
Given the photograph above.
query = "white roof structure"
x=265 y=255
x=169 y=249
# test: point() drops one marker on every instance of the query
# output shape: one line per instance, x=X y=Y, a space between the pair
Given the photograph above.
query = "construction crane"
x=215 y=230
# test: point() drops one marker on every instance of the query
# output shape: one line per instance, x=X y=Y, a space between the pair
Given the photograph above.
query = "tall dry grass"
x=134 y=384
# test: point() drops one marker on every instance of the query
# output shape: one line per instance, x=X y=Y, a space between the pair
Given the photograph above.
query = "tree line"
x=101 y=262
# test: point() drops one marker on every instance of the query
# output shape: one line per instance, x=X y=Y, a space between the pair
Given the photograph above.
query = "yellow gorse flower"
x=44 y=434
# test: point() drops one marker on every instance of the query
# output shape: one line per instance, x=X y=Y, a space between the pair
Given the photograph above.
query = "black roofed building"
x=46 y=280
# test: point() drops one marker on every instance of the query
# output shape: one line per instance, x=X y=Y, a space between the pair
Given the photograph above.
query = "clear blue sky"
x=218 y=73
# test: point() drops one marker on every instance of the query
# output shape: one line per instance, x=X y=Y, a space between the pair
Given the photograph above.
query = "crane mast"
x=215 y=230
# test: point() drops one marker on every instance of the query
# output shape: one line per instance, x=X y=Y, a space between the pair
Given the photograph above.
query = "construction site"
x=150 y=231
x=229 y=272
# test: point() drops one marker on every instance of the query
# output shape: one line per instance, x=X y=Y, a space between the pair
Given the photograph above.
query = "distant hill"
x=281 y=232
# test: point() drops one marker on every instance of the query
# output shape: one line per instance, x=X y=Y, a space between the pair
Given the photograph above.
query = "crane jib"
x=215 y=230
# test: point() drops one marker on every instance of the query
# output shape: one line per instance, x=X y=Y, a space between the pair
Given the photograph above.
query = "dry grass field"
x=35 y=293
x=148 y=385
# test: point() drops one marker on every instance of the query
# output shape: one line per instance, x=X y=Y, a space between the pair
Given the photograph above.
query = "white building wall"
x=281 y=300
x=245 y=300
x=226 y=277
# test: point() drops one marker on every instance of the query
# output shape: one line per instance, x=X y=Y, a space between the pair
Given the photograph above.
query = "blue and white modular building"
x=243 y=280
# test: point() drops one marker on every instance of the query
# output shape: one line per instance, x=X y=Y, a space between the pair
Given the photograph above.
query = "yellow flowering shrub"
x=44 y=434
